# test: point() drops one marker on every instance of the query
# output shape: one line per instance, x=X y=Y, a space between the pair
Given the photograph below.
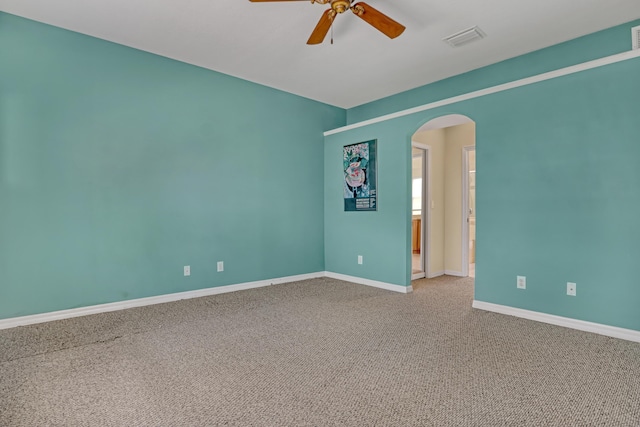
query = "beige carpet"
x=316 y=353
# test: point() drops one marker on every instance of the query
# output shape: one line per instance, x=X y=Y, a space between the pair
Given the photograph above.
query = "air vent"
x=464 y=37
x=635 y=34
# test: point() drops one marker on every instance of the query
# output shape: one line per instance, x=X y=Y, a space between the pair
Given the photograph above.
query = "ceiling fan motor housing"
x=340 y=6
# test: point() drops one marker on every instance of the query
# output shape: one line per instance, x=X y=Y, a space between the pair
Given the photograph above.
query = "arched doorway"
x=443 y=219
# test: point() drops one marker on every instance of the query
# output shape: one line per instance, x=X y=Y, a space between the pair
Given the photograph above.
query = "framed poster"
x=360 y=176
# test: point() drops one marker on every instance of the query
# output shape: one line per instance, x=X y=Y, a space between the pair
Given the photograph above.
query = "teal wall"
x=593 y=46
x=118 y=167
x=379 y=236
x=557 y=196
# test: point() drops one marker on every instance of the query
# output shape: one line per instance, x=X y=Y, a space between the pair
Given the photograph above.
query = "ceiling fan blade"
x=378 y=20
x=321 y=30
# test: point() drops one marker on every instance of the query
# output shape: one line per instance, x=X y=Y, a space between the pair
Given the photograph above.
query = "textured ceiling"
x=266 y=42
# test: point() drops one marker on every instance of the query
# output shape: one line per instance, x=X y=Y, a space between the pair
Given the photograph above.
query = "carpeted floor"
x=316 y=353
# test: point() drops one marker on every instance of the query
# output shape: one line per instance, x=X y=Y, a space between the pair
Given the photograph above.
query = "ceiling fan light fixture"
x=464 y=37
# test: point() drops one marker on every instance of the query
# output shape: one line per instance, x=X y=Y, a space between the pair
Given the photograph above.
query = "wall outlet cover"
x=571 y=289
x=521 y=282
x=187 y=270
x=220 y=266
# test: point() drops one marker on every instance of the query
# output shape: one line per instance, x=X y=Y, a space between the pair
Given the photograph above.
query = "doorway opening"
x=469 y=207
x=443 y=205
x=419 y=211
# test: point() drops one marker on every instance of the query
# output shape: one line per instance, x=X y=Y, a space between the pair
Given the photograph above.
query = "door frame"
x=425 y=229
x=465 y=207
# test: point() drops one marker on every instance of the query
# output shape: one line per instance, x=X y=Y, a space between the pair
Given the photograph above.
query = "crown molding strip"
x=607 y=60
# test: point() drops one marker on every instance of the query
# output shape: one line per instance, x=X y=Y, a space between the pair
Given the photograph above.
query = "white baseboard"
x=368 y=282
x=454 y=273
x=297 y=278
x=140 y=302
x=581 y=325
x=436 y=274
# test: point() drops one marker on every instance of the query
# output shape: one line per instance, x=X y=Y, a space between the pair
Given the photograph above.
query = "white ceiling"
x=266 y=42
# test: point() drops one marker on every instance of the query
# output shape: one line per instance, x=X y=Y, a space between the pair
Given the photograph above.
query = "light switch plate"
x=187 y=270
x=571 y=289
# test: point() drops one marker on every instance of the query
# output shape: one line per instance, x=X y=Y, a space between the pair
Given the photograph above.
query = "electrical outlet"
x=187 y=270
x=521 y=282
x=359 y=259
x=571 y=289
x=220 y=266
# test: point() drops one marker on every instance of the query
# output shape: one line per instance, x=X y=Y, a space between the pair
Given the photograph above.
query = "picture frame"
x=360 y=185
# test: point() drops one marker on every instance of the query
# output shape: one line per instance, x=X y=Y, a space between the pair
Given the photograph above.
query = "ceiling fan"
x=375 y=18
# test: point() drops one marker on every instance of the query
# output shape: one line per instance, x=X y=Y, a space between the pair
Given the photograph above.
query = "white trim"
x=426 y=209
x=160 y=299
x=455 y=273
x=635 y=38
x=436 y=274
x=607 y=60
x=581 y=325
x=141 y=302
x=290 y=279
x=418 y=276
x=429 y=215
x=368 y=282
x=465 y=209
x=447 y=121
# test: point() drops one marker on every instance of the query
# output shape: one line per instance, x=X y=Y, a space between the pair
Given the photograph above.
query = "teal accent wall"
x=379 y=236
x=593 y=46
x=557 y=197
x=119 y=167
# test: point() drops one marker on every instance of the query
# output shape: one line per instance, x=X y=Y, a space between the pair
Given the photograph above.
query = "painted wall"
x=593 y=46
x=118 y=167
x=472 y=219
x=557 y=196
x=456 y=137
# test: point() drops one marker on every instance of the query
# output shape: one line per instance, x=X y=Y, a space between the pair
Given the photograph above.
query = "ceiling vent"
x=464 y=37
x=635 y=34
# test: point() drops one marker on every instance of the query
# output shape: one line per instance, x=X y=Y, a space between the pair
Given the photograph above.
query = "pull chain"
x=331 y=32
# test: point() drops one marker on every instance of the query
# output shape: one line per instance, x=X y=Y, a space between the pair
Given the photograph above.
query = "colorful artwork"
x=359 y=166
